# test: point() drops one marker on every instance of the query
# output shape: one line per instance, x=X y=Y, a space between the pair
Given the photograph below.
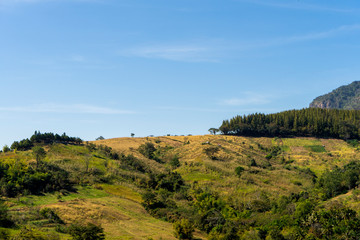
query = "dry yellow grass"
x=120 y=212
x=121 y=218
x=239 y=151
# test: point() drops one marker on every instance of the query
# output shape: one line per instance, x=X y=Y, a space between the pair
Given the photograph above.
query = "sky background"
x=110 y=68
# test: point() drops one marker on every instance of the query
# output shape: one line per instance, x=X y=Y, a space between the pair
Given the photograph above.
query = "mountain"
x=344 y=97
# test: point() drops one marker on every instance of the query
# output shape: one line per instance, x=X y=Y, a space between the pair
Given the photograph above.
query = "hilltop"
x=228 y=187
x=344 y=97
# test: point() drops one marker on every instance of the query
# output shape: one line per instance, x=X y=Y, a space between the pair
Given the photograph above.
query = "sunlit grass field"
x=117 y=205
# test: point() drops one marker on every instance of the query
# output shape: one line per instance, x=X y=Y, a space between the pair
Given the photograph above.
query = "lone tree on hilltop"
x=100 y=138
x=213 y=131
x=132 y=134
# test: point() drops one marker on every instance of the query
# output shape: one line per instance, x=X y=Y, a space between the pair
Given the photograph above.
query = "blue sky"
x=157 y=67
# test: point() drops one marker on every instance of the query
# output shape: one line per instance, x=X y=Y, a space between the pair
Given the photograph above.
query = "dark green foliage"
x=172 y=181
x=49 y=138
x=174 y=161
x=29 y=233
x=131 y=163
x=353 y=142
x=4 y=234
x=338 y=222
x=5 y=220
x=239 y=170
x=344 y=97
x=106 y=150
x=39 y=154
x=253 y=163
x=274 y=152
x=19 y=178
x=339 y=180
x=210 y=209
x=52 y=217
x=23 y=145
x=148 y=150
x=305 y=122
x=213 y=131
x=159 y=194
x=6 y=149
x=183 y=229
x=150 y=201
x=211 y=151
x=44 y=138
x=86 y=232
x=260 y=204
x=275 y=234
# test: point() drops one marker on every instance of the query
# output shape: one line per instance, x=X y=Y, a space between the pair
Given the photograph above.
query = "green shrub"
x=174 y=162
x=28 y=233
x=4 y=234
x=49 y=214
x=4 y=216
x=239 y=170
x=86 y=232
x=183 y=229
x=147 y=150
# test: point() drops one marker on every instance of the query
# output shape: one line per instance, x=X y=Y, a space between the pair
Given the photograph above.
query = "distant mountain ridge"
x=344 y=97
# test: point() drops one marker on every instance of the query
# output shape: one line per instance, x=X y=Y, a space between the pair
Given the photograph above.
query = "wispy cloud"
x=183 y=53
x=248 y=99
x=189 y=109
x=297 y=5
x=324 y=34
x=341 y=30
x=216 y=50
x=62 y=108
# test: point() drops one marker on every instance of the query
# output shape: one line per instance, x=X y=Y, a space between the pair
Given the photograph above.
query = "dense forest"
x=309 y=122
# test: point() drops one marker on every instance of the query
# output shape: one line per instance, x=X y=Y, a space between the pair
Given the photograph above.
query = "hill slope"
x=228 y=186
x=344 y=97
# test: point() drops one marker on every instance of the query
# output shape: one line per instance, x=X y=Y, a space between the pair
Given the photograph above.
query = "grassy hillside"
x=245 y=175
x=116 y=206
x=280 y=175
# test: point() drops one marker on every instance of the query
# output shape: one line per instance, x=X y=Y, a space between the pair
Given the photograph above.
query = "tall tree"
x=39 y=154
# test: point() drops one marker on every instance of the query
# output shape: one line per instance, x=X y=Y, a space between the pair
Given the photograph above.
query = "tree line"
x=308 y=122
x=45 y=139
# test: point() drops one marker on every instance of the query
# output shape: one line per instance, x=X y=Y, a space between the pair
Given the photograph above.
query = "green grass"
x=82 y=192
x=316 y=148
x=199 y=176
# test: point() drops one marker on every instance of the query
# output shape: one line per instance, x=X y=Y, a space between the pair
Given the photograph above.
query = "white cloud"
x=248 y=98
x=183 y=53
x=62 y=108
